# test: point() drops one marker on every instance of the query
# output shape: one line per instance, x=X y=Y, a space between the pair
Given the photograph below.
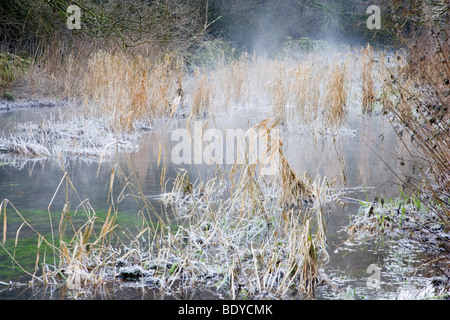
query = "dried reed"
x=368 y=95
x=336 y=97
x=130 y=89
x=202 y=96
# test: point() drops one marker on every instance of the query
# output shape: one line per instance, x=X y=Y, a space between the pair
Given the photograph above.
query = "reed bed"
x=314 y=90
x=336 y=97
x=313 y=93
x=225 y=86
x=130 y=89
x=202 y=99
x=124 y=87
x=123 y=92
x=138 y=86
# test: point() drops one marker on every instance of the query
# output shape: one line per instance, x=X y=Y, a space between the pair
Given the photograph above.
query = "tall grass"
x=313 y=90
x=305 y=92
x=130 y=88
x=336 y=97
x=202 y=99
x=368 y=94
x=125 y=87
x=140 y=85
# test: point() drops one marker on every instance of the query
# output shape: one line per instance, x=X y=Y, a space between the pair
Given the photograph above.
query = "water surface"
x=363 y=161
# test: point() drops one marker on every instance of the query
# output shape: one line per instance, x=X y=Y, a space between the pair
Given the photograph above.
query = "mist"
x=263 y=26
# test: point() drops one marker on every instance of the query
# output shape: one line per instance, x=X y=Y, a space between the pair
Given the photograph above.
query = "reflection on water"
x=353 y=159
x=363 y=160
x=366 y=156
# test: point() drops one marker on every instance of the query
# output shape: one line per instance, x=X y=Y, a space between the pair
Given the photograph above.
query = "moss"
x=8 y=96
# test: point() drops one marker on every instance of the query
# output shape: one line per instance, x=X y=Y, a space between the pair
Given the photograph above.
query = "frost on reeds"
x=234 y=235
x=311 y=94
x=245 y=235
x=238 y=234
x=305 y=94
x=85 y=138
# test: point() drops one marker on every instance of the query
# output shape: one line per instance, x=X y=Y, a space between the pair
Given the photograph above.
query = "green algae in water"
x=23 y=247
x=24 y=254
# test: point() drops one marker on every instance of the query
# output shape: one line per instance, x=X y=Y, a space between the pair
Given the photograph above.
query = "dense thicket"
x=25 y=24
x=248 y=24
x=264 y=23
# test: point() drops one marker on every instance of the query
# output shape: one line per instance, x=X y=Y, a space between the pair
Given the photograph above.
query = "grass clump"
x=8 y=96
